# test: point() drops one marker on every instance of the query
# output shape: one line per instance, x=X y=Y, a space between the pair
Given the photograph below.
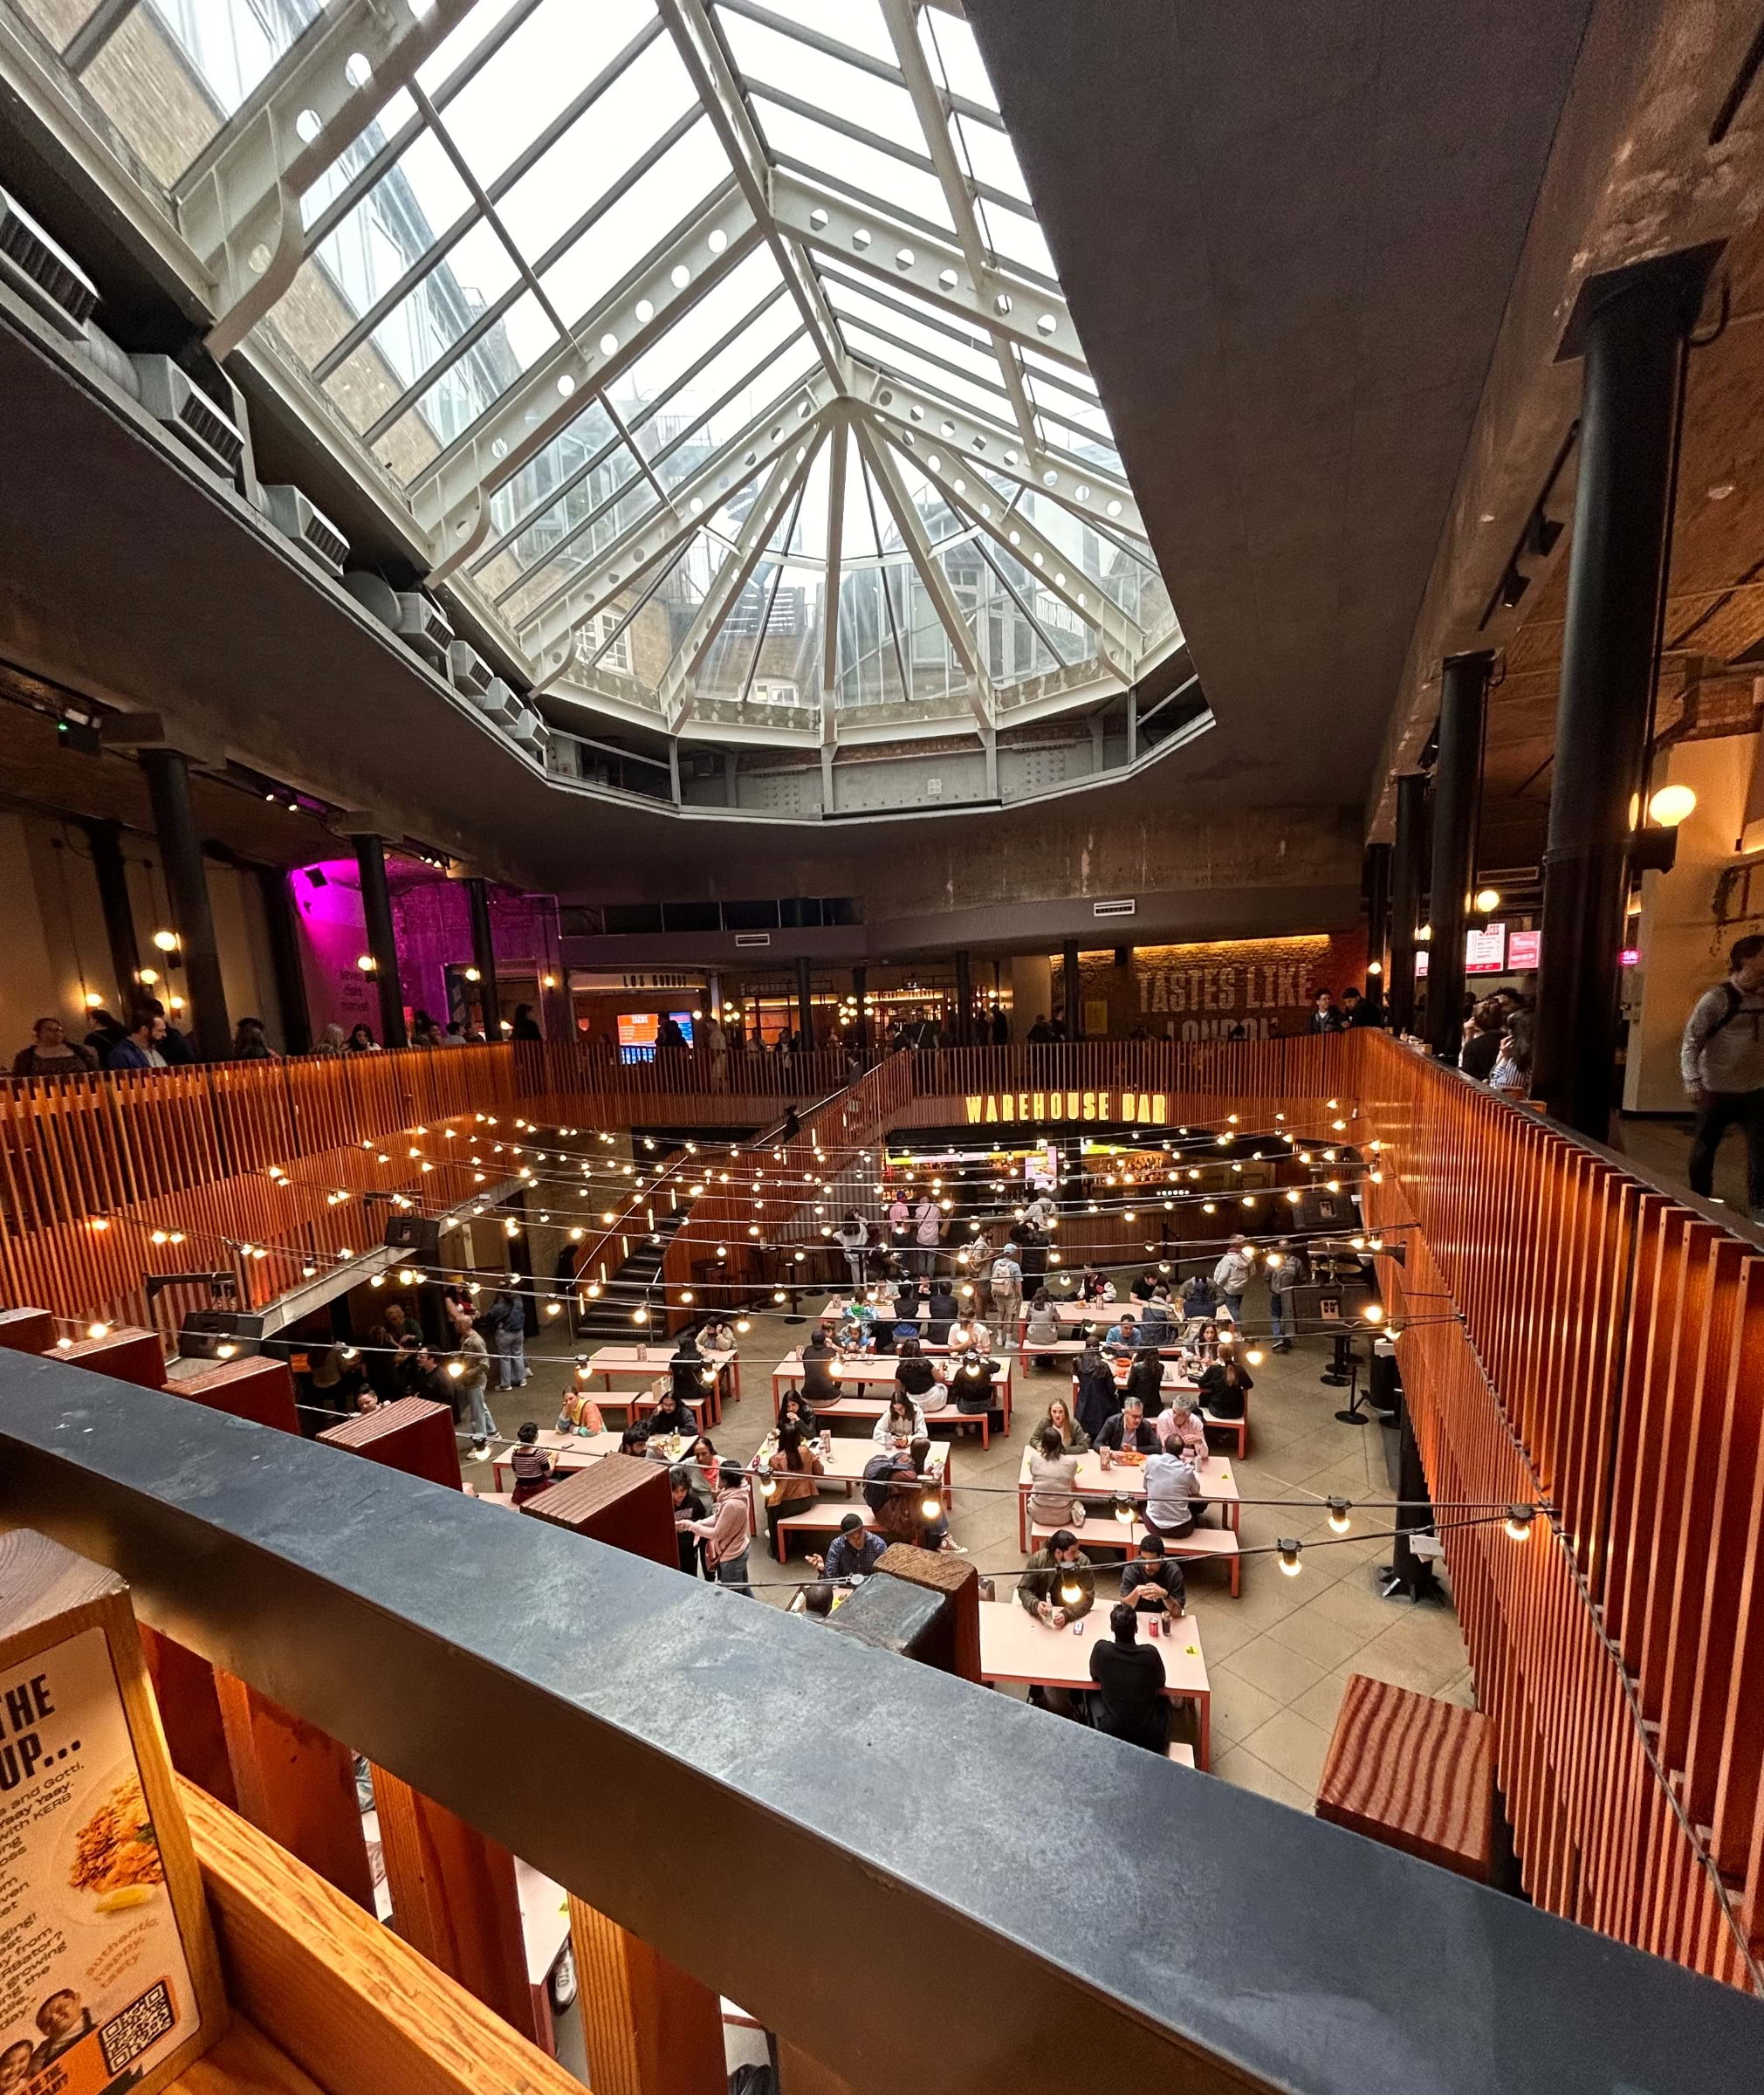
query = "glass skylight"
x=714 y=343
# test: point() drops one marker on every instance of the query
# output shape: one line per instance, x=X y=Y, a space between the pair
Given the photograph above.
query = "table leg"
x=1023 y=1521
x=1203 y=1752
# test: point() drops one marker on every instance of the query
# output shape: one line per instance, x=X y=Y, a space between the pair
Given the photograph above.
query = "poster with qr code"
x=95 y=1990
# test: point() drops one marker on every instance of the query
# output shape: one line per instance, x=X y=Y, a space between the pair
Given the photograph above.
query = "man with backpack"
x=1721 y=1059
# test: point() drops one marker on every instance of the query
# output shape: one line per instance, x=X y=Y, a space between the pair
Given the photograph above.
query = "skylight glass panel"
x=661 y=198
x=463 y=44
x=912 y=365
x=989 y=157
x=853 y=163
x=955 y=57
x=970 y=357
x=1016 y=240
x=767 y=55
x=552 y=57
x=858 y=23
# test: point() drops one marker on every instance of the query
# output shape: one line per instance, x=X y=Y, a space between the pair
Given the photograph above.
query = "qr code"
x=138 y=2029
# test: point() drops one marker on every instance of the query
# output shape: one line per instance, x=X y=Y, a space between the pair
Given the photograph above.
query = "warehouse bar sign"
x=1144 y=1109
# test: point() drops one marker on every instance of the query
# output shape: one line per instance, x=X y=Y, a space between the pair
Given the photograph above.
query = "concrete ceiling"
x=1287 y=235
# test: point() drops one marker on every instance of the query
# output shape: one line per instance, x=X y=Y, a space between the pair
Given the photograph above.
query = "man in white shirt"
x=1232 y=1275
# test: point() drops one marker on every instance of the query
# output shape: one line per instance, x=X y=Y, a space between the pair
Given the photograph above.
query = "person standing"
x=51 y=1054
x=928 y=1223
x=724 y=1535
x=251 y=1043
x=472 y=1357
x=1285 y=1273
x=717 y=1047
x=1721 y=1059
x=853 y=1238
x=1232 y=1275
x=141 y=1047
x=1129 y=1680
x=1005 y=1280
x=1325 y=1018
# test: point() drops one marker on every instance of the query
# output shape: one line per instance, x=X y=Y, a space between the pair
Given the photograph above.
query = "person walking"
x=1721 y=1059
x=1285 y=1270
x=1005 y=1280
x=472 y=1358
x=1232 y=1275
x=853 y=1238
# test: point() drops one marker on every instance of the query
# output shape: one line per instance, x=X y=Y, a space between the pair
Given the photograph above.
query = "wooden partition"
x=1574 y=1337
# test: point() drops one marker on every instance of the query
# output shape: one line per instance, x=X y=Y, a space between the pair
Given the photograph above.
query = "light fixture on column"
x=367 y=964
x=1488 y=901
x=166 y=941
x=1672 y=805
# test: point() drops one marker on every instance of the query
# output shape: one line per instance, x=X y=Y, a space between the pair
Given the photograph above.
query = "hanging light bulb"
x=1518 y=1521
x=1671 y=805
x=1255 y=1356
x=742 y=1325
x=1339 y=1523
x=931 y=1506
x=1374 y=1313
x=1070 y=1591
x=456 y=1368
x=639 y=1315
x=1290 y=1552
x=98 y=1330
x=1124 y=1507
x=768 y=1487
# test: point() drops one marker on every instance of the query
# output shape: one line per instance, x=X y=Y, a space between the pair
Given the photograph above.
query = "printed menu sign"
x=96 y=1988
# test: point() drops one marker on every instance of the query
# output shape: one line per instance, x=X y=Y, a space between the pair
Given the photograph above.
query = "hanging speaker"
x=220 y=1335
x=418 y=1235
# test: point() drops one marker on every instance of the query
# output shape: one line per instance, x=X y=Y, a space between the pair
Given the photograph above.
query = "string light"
x=1518 y=1521
x=1290 y=1550
x=1339 y=1510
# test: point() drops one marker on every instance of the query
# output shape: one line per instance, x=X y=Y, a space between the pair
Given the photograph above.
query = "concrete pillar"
x=376 y=911
x=187 y=881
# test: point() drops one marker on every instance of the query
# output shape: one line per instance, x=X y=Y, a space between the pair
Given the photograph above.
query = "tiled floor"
x=1280 y=1655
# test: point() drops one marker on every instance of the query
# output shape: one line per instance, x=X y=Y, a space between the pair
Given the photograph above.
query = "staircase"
x=606 y=1321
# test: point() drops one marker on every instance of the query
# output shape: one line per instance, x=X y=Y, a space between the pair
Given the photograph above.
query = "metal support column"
x=376 y=911
x=964 y=1001
x=1456 y=801
x=484 y=955
x=805 y=1004
x=1405 y=897
x=1074 y=1010
x=105 y=840
x=1378 y=917
x=1630 y=326
x=284 y=960
x=187 y=882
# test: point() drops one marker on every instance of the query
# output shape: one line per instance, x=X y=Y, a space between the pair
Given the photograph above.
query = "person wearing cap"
x=1232 y=1275
x=853 y=1553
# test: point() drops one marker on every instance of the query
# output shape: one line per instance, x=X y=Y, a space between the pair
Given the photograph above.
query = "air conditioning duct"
x=42 y=271
x=498 y=702
x=174 y=398
x=470 y=671
x=96 y=346
x=424 y=628
x=296 y=517
x=564 y=756
x=528 y=730
x=376 y=596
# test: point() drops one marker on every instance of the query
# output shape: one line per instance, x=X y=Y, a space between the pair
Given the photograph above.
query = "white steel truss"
x=613 y=291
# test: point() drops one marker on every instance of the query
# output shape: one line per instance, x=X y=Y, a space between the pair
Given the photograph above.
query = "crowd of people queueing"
x=151 y=1039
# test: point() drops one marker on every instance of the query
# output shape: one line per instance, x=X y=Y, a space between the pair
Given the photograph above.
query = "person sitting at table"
x=794 y=1466
x=1042 y=1328
x=1151 y=1583
x=1154 y=1326
x=1130 y=1702
x=1145 y=1380
x=1092 y=1287
x=532 y=1464
x=634 y=1441
x=1171 y=1488
x=818 y=1358
x=1130 y=1430
x=1093 y=1384
x=915 y=1375
x=687 y=1508
x=1202 y=1340
x=1073 y=1436
x=972 y=1375
x=940 y=1314
x=1052 y=1474
x=818 y=1599
x=1199 y=1296
x=1146 y=1286
x=718 y=1336
x=852 y=1553
x=902 y=1424
x=1179 y=1428
x=853 y=1338
x=880 y=1297
x=968 y=1335
x=578 y=1413
x=1057 y=1585
x=1224 y=1388
x=895 y=1486
x=670 y=1414
x=794 y=1409
x=1122 y=1339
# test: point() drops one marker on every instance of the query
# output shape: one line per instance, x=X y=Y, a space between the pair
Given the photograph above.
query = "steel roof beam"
x=452 y=495
x=780 y=490
x=993 y=300
x=910 y=525
x=546 y=635
x=239 y=204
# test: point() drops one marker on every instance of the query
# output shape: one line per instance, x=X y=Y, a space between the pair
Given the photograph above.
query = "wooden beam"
x=623 y=1501
x=412 y=1434
x=340 y=1996
x=126 y=1354
x=296 y=1783
x=650 y=2028
x=259 y=1389
x=27 y=1330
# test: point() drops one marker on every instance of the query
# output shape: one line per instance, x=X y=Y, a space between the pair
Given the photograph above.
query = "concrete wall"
x=1687 y=922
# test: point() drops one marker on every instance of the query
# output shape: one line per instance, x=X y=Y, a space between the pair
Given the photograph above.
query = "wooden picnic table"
x=876 y=1371
x=1015 y=1645
x=1127 y=1480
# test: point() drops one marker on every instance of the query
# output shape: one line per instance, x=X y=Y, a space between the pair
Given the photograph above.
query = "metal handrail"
x=1060 y=1911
